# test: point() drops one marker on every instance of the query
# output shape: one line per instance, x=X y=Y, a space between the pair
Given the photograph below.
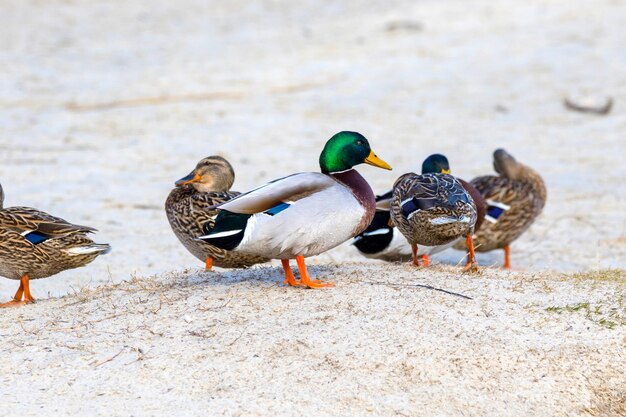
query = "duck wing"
x=278 y=194
x=383 y=202
x=426 y=191
x=37 y=226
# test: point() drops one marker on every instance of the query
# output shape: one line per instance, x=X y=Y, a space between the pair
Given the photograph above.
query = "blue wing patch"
x=409 y=207
x=36 y=238
x=415 y=204
x=277 y=209
x=494 y=212
x=495 y=209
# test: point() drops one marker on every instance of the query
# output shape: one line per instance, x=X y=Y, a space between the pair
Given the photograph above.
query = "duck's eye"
x=359 y=142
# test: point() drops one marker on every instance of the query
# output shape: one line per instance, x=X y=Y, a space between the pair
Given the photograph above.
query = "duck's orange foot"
x=292 y=282
x=415 y=259
x=22 y=292
x=415 y=263
x=306 y=281
x=316 y=284
x=208 y=264
x=16 y=303
x=289 y=278
x=471 y=268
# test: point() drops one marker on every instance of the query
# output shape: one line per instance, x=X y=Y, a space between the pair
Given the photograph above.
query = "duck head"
x=436 y=164
x=505 y=164
x=213 y=173
x=345 y=150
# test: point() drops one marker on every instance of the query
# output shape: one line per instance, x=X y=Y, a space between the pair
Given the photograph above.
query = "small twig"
x=102 y=362
x=140 y=355
x=215 y=308
x=160 y=305
x=428 y=287
x=404 y=25
x=21 y=322
x=238 y=337
x=582 y=108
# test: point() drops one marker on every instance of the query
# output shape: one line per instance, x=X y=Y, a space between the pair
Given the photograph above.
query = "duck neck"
x=533 y=178
x=361 y=191
x=537 y=183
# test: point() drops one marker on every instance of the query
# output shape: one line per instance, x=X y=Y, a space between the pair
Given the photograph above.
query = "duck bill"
x=193 y=177
x=446 y=171
x=373 y=160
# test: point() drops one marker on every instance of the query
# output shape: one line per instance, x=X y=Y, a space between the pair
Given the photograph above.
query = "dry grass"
x=605 y=275
x=608 y=403
x=388 y=339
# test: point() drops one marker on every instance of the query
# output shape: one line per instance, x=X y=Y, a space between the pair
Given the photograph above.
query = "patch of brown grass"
x=606 y=275
x=608 y=403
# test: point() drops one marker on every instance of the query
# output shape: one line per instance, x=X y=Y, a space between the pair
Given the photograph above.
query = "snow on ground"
x=103 y=105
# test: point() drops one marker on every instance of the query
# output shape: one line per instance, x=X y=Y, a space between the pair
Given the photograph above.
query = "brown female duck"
x=381 y=240
x=514 y=199
x=433 y=209
x=34 y=244
x=189 y=207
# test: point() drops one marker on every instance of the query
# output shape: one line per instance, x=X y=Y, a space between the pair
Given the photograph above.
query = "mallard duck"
x=34 y=244
x=514 y=200
x=382 y=241
x=303 y=214
x=433 y=209
x=190 y=205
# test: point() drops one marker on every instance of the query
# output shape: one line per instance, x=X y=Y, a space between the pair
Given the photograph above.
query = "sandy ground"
x=103 y=105
x=388 y=341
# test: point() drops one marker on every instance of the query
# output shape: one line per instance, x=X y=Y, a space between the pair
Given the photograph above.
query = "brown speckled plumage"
x=444 y=210
x=64 y=246
x=190 y=206
x=481 y=206
x=517 y=186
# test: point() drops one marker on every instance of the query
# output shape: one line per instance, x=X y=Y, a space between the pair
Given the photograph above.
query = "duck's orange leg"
x=471 y=260
x=289 y=278
x=305 y=280
x=23 y=290
x=416 y=261
x=425 y=260
x=28 y=298
x=208 y=265
x=507 y=257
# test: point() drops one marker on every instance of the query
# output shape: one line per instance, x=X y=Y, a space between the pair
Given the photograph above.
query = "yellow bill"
x=373 y=160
